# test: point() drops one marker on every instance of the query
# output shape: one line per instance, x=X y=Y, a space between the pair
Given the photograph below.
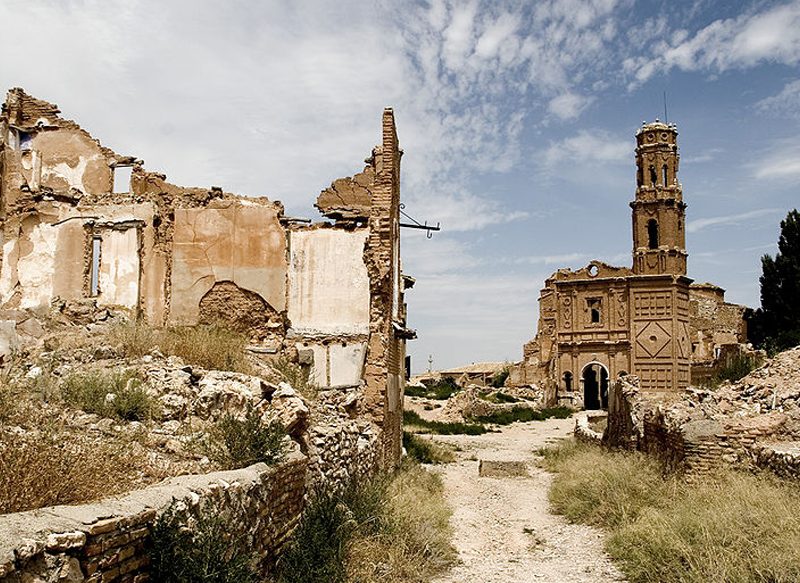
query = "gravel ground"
x=503 y=530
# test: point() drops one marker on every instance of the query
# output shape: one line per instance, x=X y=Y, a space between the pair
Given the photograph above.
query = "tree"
x=776 y=324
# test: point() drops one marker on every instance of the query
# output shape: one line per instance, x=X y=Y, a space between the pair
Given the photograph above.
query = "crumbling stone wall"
x=330 y=295
x=108 y=540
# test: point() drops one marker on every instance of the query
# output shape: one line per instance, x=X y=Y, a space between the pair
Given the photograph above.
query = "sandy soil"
x=503 y=530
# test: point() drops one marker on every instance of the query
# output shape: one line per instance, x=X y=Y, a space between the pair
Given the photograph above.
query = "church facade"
x=601 y=322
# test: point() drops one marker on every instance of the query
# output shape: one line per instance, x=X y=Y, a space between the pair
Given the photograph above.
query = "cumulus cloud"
x=771 y=35
x=590 y=147
x=568 y=105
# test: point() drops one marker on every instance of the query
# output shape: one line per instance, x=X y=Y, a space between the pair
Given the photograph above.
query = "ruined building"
x=650 y=320
x=81 y=221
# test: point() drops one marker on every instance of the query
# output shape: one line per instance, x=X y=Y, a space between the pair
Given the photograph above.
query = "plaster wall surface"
x=240 y=243
x=119 y=268
x=329 y=288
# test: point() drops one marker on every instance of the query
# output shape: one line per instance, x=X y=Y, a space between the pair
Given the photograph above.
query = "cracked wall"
x=81 y=221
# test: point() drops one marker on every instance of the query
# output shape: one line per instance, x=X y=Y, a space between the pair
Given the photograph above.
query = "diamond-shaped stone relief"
x=684 y=343
x=652 y=339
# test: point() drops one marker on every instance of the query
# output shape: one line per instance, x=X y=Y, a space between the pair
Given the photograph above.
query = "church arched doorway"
x=595 y=386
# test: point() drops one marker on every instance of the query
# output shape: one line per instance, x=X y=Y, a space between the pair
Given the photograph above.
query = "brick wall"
x=107 y=541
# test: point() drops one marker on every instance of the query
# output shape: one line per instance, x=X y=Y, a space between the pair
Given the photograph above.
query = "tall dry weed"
x=729 y=528
x=53 y=467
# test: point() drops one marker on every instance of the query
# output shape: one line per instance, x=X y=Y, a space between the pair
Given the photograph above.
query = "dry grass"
x=392 y=529
x=413 y=543
x=735 y=528
x=427 y=451
x=53 y=467
x=209 y=347
x=297 y=376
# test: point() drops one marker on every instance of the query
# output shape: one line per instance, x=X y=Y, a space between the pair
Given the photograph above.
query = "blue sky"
x=517 y=120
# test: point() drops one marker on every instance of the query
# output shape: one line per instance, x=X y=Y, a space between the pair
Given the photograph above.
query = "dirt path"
x=503 y=530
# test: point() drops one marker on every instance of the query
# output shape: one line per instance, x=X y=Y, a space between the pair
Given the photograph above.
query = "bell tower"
x=659 y=232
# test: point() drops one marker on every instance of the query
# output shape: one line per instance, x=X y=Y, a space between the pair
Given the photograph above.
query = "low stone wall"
x=781 y=458
x=107 y=541
x=583 y=429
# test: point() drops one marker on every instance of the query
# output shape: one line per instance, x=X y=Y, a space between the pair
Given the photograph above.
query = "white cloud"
x=561 y=259
x=786 y=103
x=734 y=219
x=782 y=162
x=772 y=35
x=589 y=147
x=568 y=105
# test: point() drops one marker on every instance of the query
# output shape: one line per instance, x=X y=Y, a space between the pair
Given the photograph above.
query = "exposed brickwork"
x=108 y=541
x=600 y=322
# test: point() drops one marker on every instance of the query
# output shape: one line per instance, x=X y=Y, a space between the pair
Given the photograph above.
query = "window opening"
x=653 y=177
x=568 y=381
x=25 y=141
x=652 y=233
x=666 y=182
x=95 y=276
x=122 y=179
x=594 y=310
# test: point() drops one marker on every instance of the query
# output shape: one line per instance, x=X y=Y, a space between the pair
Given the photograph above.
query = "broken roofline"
x=347 y=199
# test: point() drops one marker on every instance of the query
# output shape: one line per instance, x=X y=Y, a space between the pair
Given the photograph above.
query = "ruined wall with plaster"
x=328 y=303
x=81 y=221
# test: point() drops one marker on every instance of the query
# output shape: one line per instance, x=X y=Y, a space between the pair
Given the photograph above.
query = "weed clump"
x=297 y=376
x=734 y=527
x=426 y=451
x=118 y=394
x=205 y=552
x=53 y=467
x=441 y=390
x=385 y=529
x=441 y=427
x=524 y=414
x=234 y=442
x=209 y=346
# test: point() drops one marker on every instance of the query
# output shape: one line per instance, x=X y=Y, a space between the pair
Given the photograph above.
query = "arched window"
x=666 y=181
x=652 y=233
x=568 y=381
x=653 y=177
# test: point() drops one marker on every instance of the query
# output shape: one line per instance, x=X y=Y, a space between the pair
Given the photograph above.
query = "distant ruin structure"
x=650 y=320
x=80 y=221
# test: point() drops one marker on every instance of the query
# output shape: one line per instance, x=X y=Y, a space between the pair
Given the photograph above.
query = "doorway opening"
x=595 y=386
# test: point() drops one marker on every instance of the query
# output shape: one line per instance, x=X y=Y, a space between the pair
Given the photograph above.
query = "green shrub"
x=524 y=414
x=234 y=442
x=442 y=428
x=89 y=391
x=205 y=552
x=426 y=451
x=440 y=390
x=499 y=379
x=318 y=548
x=414 y=391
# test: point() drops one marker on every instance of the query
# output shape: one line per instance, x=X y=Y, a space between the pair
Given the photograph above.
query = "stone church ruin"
x=650 y=320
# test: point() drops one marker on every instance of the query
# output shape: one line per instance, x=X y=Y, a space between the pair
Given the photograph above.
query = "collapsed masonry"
x=602 y=322
x=81 y=221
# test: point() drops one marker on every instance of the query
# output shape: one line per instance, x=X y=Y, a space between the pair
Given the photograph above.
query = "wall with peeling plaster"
x=187 y=256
